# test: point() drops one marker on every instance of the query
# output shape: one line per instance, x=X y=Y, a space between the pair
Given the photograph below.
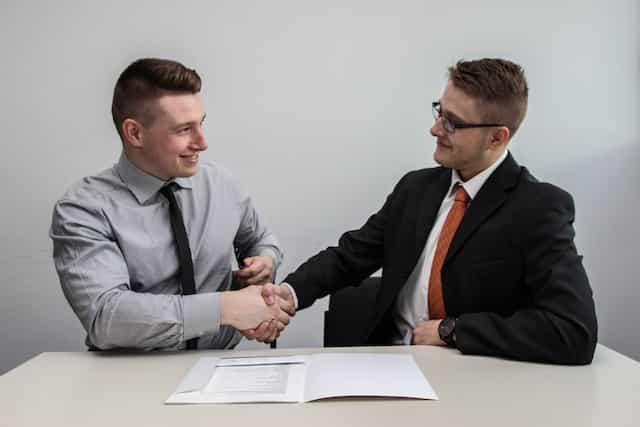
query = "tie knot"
x=461 y=195
x=168 y=190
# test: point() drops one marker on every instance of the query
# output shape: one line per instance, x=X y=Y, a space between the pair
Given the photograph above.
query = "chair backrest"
x=350 y=313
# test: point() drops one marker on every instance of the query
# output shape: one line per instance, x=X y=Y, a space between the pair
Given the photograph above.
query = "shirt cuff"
x=293 y=293
x=201 y=315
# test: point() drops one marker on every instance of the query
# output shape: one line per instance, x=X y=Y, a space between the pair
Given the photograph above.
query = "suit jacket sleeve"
x=560 y=325
x=359 y=254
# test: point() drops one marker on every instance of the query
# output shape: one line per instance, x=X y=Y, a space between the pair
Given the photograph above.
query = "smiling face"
x=472 y=150
x=169 y=146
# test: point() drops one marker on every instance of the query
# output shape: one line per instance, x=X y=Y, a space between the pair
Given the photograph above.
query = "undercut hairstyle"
x=499 y=86
x=146 y=80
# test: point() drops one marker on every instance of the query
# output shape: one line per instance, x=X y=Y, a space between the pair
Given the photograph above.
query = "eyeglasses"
x=450 y=126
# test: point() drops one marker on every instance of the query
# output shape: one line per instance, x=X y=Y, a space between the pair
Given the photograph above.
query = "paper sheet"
x=302 y=378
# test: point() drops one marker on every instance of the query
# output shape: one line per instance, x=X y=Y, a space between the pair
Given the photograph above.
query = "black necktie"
x=184 y=252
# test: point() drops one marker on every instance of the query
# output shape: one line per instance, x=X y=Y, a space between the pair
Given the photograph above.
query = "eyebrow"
x=183 y=124
x=451 y=115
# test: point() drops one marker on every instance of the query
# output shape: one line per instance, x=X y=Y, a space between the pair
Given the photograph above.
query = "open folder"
x=302 y=378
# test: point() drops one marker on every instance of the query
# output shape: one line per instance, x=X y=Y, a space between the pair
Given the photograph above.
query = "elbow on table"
x=586 y=349
x=580 y=350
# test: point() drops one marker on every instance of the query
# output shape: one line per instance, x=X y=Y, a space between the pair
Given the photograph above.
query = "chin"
x=187 y=173
x=441 y=160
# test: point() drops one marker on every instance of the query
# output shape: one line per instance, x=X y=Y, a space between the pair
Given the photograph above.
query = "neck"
x=140 y=164
x=467 y=173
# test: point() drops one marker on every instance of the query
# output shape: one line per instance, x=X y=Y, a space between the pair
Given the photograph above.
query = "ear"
x=500 y=137
x=133 y=133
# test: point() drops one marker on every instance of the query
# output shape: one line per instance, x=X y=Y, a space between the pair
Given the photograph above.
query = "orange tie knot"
x=461 y=195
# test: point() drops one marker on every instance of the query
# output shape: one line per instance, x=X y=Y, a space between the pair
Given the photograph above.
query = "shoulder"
x=419 y=178
x=93 y=190
x=542 y=195
x=89 y=196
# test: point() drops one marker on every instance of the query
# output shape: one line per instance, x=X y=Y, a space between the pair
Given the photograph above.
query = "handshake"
x=259 y=312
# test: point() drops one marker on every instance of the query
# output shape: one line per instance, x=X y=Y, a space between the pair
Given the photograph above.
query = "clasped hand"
x=274 y=296
x=259 y=312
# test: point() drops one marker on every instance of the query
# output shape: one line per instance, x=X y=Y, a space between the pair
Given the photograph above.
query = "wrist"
x=226 y=308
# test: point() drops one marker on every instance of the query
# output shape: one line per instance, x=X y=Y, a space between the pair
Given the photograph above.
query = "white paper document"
x=302 y=378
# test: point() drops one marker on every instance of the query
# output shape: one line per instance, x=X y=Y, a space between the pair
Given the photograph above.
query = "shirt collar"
x=474 y=185
x=141 y=184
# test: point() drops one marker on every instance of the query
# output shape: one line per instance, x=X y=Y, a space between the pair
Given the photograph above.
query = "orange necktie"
x=454 y=218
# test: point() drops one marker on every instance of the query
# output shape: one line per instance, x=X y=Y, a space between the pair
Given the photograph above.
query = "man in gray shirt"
x=114 y=247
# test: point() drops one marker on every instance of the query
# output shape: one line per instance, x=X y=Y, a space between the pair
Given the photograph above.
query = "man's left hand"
x=426 y=333
x=257 y=270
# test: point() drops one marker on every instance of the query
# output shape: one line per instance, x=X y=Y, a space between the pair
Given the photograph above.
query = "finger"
x=287 y=306
x=272 y=331
x=268 y=331
x=249 y=334
x=273 y=335
x=282 y=316
x=260 y=278
x=244 y=273
x=263 y=331
x=251 y=271
x=269 y=293
x=286 y=303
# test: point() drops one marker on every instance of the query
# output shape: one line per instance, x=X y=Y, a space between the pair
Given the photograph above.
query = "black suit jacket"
x=512 y=275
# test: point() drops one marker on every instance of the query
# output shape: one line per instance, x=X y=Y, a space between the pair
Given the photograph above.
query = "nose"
x=199 y=141
x=437 y=129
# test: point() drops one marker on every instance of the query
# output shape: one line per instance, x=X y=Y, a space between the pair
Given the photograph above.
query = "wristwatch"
x=447 y=330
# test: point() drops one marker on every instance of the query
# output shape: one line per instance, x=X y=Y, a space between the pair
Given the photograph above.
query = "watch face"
x=446 y=328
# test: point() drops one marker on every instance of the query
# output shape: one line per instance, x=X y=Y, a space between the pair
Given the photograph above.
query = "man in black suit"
x=477 y=253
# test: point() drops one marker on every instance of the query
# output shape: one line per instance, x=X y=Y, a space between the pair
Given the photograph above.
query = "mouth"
x=191 y=157
x=442 y=144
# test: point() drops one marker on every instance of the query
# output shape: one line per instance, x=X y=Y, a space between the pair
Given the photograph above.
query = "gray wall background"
x=319 y=107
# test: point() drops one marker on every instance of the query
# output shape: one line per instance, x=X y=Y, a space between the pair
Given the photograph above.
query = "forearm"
x=125 y=319
x=253 y=238
x=328 y=271
x=532 y=335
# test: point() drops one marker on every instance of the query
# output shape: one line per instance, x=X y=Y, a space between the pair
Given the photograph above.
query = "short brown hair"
x=499 y=85
x=147 y=79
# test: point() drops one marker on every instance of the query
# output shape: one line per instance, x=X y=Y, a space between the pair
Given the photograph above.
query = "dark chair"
x=348 y=318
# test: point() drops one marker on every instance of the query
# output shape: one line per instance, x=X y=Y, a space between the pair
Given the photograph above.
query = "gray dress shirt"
x=114 y=251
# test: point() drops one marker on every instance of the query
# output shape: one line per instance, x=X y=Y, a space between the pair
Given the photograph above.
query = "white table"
x=115 y=390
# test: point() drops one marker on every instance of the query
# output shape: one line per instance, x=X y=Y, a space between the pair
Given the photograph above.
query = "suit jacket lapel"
x=490 y=197
x=429 y=207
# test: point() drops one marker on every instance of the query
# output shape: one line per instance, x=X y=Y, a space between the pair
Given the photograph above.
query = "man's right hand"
x=269 y=331
x=247 y=308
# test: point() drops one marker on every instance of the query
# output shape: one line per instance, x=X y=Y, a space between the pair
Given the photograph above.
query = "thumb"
x=248 y=261
x=269 y=293
x=284 y=293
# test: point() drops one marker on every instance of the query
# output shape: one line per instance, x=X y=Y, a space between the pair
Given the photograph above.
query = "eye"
x=184 y=130
x=454 y=123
